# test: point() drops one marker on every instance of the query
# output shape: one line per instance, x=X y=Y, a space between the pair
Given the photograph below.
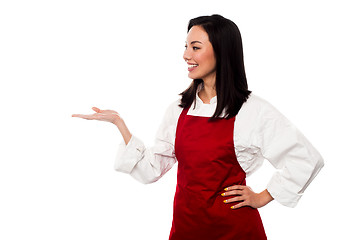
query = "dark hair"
x=231 y=82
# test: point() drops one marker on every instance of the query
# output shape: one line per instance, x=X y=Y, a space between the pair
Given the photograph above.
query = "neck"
x=209 y=90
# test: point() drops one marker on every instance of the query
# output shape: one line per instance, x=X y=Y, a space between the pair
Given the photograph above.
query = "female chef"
x=219 y=133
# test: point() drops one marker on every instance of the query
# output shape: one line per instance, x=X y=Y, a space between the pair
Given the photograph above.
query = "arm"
x=287 y=149
x=146 y=165
x=119 y=122
x=283 y=145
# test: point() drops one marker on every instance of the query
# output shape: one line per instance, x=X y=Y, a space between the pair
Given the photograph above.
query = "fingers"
x=88 y=117
x=236 y=187
x=242 y=195
x=235 y=190
x=239 y=205
x=242 y=201
x=235 y=199
x=77 y=115
x=96 y=109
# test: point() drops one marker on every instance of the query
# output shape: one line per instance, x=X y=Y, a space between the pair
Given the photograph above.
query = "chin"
x=194 y=76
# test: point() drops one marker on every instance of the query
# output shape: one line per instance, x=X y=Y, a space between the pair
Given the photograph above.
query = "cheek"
x=210 y=58
x=211 y=61
x=205 y=58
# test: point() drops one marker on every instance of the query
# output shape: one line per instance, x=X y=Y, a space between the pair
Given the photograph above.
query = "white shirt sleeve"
x=147 y=165
x=285 y=147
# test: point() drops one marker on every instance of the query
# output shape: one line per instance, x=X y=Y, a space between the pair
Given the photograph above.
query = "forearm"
x=265 y=197
x=119 y=122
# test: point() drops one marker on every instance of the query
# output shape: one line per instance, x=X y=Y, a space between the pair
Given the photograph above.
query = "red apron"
x=206 y=165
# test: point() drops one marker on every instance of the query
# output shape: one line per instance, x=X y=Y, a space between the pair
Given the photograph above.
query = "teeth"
x=193 y=65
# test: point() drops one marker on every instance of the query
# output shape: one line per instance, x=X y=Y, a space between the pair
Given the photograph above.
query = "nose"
x=186 y=55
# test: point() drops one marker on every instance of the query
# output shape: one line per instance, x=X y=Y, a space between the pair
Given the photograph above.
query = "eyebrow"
x=193 y=42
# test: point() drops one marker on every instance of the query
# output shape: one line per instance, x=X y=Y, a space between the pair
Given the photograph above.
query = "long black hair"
x=231 y=82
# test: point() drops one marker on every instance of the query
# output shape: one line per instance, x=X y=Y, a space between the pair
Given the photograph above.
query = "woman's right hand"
x=108 y=116
x=101 y=115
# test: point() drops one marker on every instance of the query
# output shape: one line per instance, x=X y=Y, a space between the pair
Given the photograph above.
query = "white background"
x=63 y=57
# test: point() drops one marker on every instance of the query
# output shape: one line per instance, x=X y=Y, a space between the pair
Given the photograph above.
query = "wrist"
x=265 y=197
x=118 y=121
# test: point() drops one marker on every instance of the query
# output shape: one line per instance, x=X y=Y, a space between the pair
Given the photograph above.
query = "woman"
x=219 y=132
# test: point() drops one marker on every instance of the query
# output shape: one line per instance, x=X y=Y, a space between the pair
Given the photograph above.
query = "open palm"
x=101 y=115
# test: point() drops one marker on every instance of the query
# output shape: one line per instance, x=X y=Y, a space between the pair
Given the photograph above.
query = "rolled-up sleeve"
x=287 y=149
x=147 y=165
x=129 y=155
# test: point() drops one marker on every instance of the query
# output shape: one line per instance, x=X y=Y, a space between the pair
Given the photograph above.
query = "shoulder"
x=254 y=106
x=255 y=101
x=174 y=107
x=258 y=106
x=173 y=111
x=249 y=119
x=257 y=113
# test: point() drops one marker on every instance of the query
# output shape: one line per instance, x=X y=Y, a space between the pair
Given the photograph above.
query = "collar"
x=199 y=101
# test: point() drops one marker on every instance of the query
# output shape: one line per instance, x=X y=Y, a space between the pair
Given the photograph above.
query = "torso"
x=206 y=165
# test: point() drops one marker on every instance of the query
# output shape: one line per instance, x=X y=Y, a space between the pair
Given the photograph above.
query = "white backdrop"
x=63 y=57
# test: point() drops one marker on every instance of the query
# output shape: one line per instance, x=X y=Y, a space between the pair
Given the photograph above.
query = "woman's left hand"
x=246 y=197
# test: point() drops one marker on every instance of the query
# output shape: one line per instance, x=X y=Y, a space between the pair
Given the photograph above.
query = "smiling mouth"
x=192 y=67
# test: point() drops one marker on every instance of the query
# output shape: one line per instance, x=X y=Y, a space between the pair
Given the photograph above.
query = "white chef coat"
x=260 y=132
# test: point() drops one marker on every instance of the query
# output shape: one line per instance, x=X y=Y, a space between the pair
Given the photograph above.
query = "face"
x=199 y=55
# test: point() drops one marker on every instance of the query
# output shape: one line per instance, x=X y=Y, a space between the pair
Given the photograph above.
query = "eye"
x=195 y=48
